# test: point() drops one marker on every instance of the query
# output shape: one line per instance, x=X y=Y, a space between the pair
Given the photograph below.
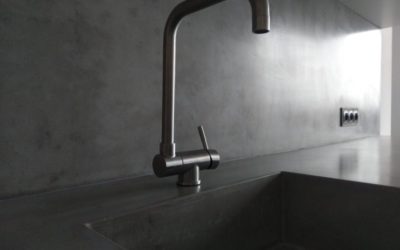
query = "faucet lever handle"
x=203 y=137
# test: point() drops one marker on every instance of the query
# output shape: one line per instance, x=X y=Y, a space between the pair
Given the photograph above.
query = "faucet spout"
x=261 y=16
x=168 y=162
x=261 y=24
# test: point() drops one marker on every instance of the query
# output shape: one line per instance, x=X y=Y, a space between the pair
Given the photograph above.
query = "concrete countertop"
x=57 y=220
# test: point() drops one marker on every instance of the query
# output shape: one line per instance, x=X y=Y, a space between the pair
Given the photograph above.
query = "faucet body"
x=188 y=164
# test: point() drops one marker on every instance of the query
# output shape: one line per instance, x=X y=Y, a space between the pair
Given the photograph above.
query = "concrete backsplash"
x=80 y=84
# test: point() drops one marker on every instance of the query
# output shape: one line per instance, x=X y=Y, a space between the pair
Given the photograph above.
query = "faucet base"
x=190 y=178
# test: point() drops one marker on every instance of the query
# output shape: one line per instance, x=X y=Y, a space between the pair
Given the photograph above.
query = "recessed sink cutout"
x=284 y=211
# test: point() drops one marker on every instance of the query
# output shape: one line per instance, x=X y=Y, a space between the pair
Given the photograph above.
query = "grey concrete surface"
x=309 y=212
x=55 y=220
x=244 y=216
x=396 y=80
x=383 y=13
x=80 y=84
x=337 y=214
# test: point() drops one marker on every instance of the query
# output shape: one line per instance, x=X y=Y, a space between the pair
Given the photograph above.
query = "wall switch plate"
x=349 y=117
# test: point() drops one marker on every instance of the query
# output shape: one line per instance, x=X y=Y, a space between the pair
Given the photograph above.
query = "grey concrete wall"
x=80 y=84
x=396 y=81
x=382 y=13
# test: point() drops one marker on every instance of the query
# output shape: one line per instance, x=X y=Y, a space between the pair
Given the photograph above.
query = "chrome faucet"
x=187 y=165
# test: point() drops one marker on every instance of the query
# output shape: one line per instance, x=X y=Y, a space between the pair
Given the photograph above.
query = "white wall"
x=386 y=82
x=385 y=13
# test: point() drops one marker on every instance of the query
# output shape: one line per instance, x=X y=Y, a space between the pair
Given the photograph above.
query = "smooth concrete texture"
x=383 y=13
x=56 y=220
x=80 y=84
x=336 y=214
x=396 y=81
x=244 y=216
x=293 y=211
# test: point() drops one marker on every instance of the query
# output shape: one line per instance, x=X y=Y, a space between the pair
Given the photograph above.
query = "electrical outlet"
x=349 y=117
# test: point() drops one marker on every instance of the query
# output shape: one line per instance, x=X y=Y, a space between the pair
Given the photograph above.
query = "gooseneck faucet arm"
x=188 y=164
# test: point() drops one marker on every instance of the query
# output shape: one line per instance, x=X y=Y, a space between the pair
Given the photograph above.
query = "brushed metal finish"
x=203 y=137
x=261 y=24
x=190 y=178
x=349 y=117
x=188 y=167
x=184 y=161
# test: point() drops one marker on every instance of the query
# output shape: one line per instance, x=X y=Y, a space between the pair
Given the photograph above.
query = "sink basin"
x=277 y=212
